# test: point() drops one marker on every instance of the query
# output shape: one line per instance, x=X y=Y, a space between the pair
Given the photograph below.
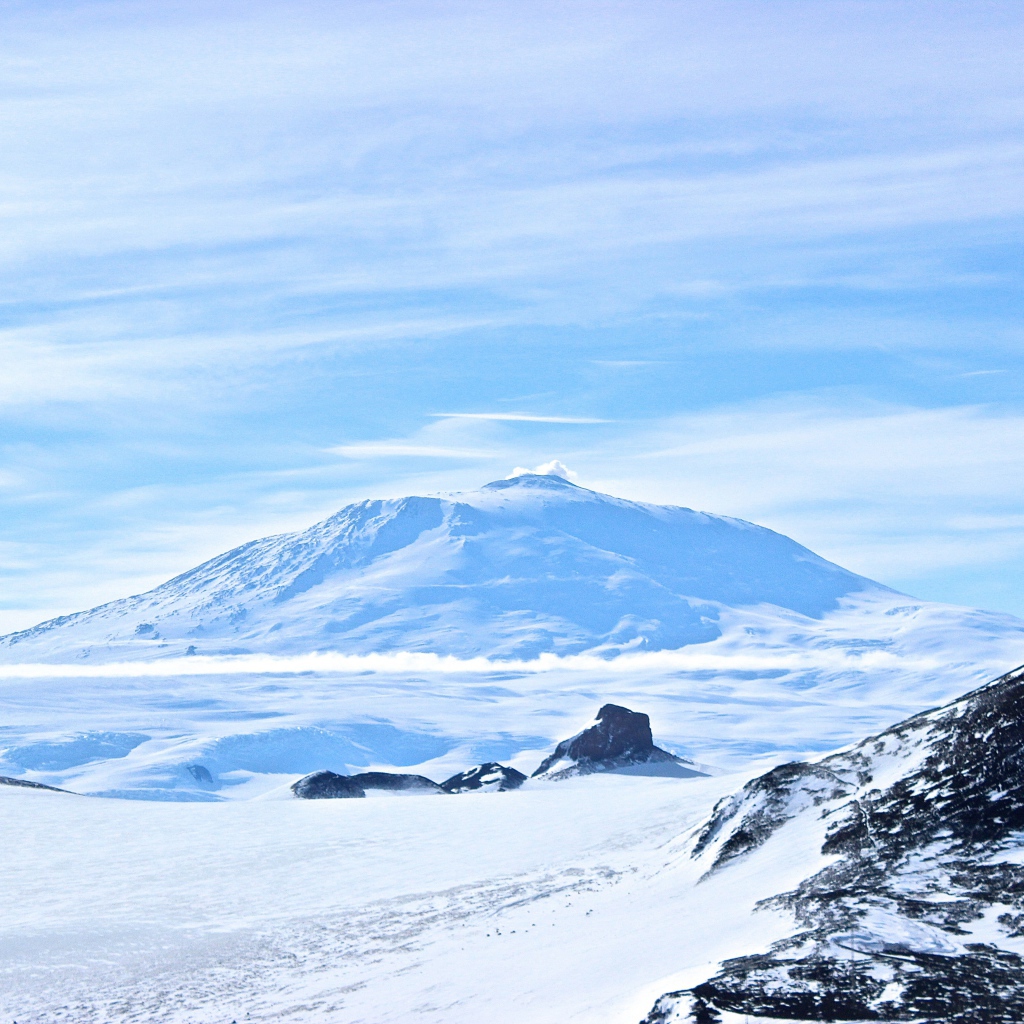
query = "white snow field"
x=774 y=686
x=569 y=901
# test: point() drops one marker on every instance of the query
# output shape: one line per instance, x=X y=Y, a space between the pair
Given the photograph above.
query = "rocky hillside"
x=916 y=909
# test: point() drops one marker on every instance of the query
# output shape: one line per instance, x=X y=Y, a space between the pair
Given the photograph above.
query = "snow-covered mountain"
x=739 y=643
x=523 y=566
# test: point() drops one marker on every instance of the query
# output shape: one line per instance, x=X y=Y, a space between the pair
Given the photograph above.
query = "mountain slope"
x=522 y=566
x=916 y=911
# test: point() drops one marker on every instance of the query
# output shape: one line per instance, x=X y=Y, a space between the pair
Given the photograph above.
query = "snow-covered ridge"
x=523 y=566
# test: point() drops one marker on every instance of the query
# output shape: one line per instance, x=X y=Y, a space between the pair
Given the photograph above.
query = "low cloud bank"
x=685 y=660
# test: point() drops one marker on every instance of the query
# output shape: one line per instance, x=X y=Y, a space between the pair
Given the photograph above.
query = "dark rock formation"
x=492 y=777
x=884 y=932
x=6 y=780
x=394 y=782
x=619 y=740
x=326 y=786
x=200 y=773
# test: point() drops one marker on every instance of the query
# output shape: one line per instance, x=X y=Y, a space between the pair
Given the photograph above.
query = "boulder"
x=327 y=786
x=491 y=777
x=619 y=741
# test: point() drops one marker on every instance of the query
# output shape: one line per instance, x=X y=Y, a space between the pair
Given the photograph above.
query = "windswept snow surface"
x=556 y=902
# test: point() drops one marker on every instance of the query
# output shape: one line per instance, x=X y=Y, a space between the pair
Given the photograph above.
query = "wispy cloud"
x=552 y=468
x=515 y=417
x=248 y=250
x=694 y=659
x=396 y=449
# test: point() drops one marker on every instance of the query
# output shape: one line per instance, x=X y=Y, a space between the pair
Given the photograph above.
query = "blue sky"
x=260 y=260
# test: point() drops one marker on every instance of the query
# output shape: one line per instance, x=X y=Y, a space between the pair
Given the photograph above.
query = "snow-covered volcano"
x=520 y=567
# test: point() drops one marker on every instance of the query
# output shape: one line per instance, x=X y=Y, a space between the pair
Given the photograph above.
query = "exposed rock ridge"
x=926 y=821
x=492 y=777
x=396 y=782
x=327 y=785
x=620 y=740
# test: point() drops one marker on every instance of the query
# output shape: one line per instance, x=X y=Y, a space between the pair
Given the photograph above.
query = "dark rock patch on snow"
x=326 y=786
x=6 y=780
x=886 y=931
x=393 y=782
x=764 y=805
x=491 y=777
x=619 y=740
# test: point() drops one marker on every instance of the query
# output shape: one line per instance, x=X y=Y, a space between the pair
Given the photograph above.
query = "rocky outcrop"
x=620 y=740
x=490 y=777
x=327 y=786
x=919 y=913
x=393 y=782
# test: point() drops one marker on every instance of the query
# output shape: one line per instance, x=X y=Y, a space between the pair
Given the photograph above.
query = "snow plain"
x=563 y=901
x=559 y=902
